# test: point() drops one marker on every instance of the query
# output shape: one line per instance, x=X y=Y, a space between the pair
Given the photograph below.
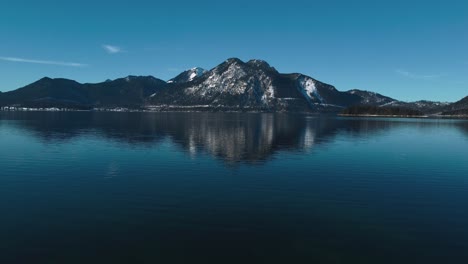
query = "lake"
x=100 y=187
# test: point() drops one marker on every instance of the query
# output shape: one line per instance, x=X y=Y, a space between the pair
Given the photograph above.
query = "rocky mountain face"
x=233 y=85
x=253 y=85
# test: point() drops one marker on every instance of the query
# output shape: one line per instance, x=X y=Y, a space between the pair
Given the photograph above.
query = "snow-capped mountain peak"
x=188 y=75
x=235 y=84
x=196 y=72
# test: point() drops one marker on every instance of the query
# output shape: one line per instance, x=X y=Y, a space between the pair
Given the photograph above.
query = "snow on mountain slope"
x=232 y=85
x=235 y=84
x=196 y=72
x=309 y=90
x=188 y=75
x=250 y=85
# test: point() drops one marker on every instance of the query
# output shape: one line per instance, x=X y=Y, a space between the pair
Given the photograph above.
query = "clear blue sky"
x=408 y=50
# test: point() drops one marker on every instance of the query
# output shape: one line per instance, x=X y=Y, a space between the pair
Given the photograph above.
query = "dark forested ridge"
x=460 y=112
x=363 y=110
x=458 y=108
x=131 y=91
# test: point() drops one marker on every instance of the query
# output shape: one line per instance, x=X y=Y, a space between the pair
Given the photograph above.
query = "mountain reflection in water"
x=232 y=137
x=101 y=187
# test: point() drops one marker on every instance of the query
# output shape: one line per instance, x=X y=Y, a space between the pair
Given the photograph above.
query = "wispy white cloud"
x=111 y=49
x=418 y=76
x=58 y=63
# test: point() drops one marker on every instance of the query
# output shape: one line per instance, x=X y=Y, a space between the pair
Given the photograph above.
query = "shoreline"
x=395 y=116
x=408 y=116
x=186 y=110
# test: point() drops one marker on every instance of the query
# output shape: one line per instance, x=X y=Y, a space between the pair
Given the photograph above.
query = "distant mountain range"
x=233 y=85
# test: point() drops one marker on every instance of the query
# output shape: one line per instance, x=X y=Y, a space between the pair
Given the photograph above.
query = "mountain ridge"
x=232 y=85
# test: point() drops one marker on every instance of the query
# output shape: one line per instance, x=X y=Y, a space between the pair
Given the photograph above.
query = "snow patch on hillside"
x=309 y=90
x=192 y=76
x=196 y=72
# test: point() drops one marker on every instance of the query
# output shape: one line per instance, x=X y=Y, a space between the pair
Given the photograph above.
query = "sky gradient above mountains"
x=409 y=51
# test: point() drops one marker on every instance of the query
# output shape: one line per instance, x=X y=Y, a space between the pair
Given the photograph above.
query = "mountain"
x=47 y=92
x=375 y=99
x=457 y=108
x=188 y=75
x=372 y=98
x=462 y=104
x=428 y=107
x=233 y=85
x=253 y=85
x=131 y=91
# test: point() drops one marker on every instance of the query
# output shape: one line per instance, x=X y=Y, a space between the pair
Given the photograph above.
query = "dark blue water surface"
x=83 y=187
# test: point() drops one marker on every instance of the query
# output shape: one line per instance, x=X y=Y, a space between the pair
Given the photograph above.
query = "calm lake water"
x=84 y=187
